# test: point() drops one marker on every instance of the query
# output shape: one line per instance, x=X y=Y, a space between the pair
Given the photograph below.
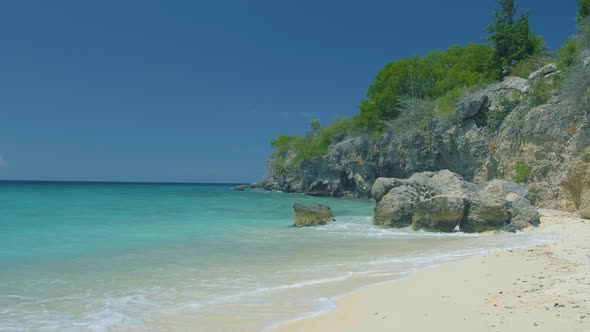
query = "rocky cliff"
x=505 y=131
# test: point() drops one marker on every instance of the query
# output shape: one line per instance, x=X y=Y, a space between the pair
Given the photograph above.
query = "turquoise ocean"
x=189 y=257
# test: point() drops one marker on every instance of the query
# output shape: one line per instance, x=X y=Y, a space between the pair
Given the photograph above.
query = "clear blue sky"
x=195 y=90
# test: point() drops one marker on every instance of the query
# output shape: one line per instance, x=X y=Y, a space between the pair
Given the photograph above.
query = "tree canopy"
x=512 y=37
x=428 y=77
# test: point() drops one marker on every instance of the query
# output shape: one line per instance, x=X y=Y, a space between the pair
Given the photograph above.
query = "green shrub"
x=370 y=119
x=339 y=130
x=541 y=92
x=285 y=143
x=446 y=105
x=415 y=114
x=584 y=9
x=430 y=77
x=583 y=36
x=308 y=148
x=314 y=127
x=521 y=172
x=280 y=167
x=567 y=55
x=496 y=118
x=575 y=85
x=525 y=67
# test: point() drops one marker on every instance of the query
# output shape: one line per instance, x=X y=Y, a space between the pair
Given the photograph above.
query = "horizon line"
x=129 y=182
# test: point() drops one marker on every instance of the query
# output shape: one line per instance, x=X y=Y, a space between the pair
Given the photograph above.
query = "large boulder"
x=585 y=203
x=441 y=201
x=439 y=214
x=382 y=186
x=486 y=213
x=396 y=208
x=445 y=182
x=313 y=215
x=522 y=212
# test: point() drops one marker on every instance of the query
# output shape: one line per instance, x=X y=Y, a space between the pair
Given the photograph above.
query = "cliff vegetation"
x=508 y=109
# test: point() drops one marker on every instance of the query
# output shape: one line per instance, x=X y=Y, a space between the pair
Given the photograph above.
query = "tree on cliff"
x=584 y=9
x=512 y=38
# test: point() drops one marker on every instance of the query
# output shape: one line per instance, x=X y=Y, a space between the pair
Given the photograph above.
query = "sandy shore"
x=542 y=288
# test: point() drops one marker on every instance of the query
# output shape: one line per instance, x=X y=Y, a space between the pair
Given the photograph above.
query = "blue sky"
x=195 y=90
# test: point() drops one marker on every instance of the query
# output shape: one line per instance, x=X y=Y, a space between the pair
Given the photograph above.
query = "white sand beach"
x=542 y=288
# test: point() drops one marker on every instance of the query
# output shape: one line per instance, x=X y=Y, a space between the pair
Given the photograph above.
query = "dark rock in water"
x=242 y=187
x=441 y=201
x=313 y=215
x=439 y=214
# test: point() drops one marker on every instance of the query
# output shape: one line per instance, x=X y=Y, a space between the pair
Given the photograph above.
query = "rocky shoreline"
x=438 y=202
x=545 y=148
x=444 y=201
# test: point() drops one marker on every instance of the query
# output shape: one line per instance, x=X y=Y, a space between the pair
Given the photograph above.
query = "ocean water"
x=166 y=257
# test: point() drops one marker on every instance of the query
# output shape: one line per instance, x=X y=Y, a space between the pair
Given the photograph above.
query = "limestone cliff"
x=499 y=132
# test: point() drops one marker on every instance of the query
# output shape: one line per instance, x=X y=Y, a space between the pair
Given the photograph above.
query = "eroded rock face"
x=551 y=141
x=441 y=201
x=486 y=213
x=313 y=215
x=439 y=214
x=382 y=187
x=397 y=207
x=352 y=166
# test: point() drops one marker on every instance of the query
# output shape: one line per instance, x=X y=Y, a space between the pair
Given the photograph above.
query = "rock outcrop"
x=544 y=71
x=495 y=133
x=313 y=215
x=242 y=187
x=352 y=166
x=439 y=214
x=486 y=213
x=442 y=201
x=397 y=207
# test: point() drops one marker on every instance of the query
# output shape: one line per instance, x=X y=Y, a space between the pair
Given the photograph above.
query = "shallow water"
x=102 y=257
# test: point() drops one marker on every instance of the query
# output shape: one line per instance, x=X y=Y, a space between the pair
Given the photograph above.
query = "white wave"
x=131 y=309
x=106 y=312
x=325 y=305
x=363 y=227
